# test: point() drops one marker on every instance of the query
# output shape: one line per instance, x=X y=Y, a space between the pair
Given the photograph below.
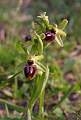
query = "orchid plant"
x=34 y=68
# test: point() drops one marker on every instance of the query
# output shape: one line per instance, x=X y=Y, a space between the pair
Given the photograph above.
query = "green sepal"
x=63 y=24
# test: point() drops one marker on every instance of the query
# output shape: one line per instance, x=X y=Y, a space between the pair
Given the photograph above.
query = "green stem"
x=15 y=88
x=7 y=111
x=29 y=115
x=9 y=79
x=11 y=105
x=41 y=103
x=14 y=75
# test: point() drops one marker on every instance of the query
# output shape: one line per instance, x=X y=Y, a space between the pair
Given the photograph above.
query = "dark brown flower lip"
x=30 y=71
x=50 y=35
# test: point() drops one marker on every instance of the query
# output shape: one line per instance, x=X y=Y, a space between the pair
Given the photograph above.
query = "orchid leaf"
x=39 y=86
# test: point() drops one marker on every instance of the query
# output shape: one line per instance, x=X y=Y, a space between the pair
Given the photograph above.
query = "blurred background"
x=15 y=20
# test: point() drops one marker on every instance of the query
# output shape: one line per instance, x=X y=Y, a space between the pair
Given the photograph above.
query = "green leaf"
x=9 y=118
x=35 y=92
x=13 y=106
x=39 y=86
x=12 y=76
x=41 y=97
x=63 y=24
x=45 y=80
